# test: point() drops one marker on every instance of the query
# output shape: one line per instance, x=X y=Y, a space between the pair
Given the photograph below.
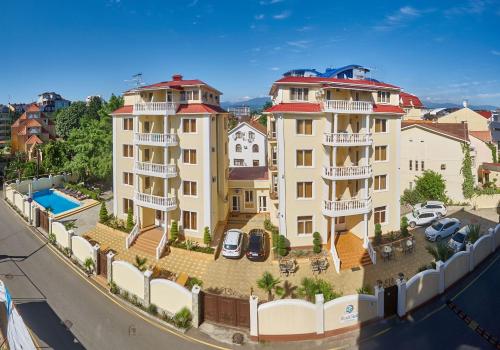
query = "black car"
x=256 y=249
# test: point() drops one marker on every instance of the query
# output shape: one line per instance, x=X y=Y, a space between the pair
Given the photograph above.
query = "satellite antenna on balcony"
x=136 y=80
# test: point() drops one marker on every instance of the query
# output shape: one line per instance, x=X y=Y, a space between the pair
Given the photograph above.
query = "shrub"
x=404 y=227
x=378 y=233
x=268 y=284
x=411 y=197
x=275 y=237
x=88 y=264
x=174 y=231
x=281 y=246
x=135 y=300
x=130 y=220
x=316 y=242
x=140 y=263
x=474 y=233
x=113 y=288
x=423 y=268
x=182 y=318
x=207 y=238
x=52 y=238
x=441 y=252
x=366 y=289
x=311 y=286
x=431 y=186
x=153 y=309
x=192 y=281
x=103 y=213
x=268 y=226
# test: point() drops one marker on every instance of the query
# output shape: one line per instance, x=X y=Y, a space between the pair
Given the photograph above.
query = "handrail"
x=155 y=200
x=335 y=258
x=167 y=169
x=161 y=246
x=347 y=171
x=346 y=105
x=347 y=204
x=132 y=236
x=372 y=252
x=347 y=138
x=155 y=107
x=155 y=138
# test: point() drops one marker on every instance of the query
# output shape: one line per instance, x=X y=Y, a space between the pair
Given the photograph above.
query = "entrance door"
x=160 y=218
x=262 y=204
x=340 y=224
x=390 y=300
x=235 y=203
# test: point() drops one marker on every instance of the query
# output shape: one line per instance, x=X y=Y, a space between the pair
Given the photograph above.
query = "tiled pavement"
x=239 y=276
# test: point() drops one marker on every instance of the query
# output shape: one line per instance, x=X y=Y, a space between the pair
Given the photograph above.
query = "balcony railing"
x=348 y=172
x=155 y=108
x=273 y=194
x=155 y=202
x=347 y=207
x=152 y=139
x=346 y=106
x=271 y=135
x=347 y=139
x=152 y=169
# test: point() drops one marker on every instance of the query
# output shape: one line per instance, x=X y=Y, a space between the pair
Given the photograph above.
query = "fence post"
x=70 y=234
x=470 y=250
x=195 y=293
x=401 y=282
x=109 y=268
x=95 y=257
x=320 y=313
x=147 y=287
x=379 y=294
x=254 y=317
x=440 y=269
x=50 y=225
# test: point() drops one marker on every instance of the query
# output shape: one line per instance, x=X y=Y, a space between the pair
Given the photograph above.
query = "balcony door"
x=235 y=203
x=262 y=204
x=160 y=218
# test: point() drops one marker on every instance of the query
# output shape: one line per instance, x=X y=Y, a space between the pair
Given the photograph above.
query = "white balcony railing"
x=346 y=106
x=161 y=246
x=155 y=108
x=152 y=169
x=155 y=202
x=132 y=236
x=347 y=207
x=347 y=139
x=348 y=172
x=152 y=139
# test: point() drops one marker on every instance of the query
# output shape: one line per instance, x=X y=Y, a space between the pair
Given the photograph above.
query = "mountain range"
x=457 y=105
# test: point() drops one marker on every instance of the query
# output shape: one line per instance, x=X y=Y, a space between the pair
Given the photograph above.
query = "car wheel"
x=413 y=224
x=438 y=238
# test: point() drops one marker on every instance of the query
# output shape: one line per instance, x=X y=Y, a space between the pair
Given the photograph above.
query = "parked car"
x=256 y=249
x=441 y=229
x=232 y=245
x=416 y=218
x=432 y=207
x=459 y=240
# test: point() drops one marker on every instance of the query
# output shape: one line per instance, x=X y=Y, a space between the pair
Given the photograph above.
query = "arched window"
x=238 y=148
x=255 y=148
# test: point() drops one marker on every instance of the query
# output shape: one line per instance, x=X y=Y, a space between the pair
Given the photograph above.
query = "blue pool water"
x=58 y=203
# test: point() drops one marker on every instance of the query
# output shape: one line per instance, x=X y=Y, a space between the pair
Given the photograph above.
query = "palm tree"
x=474 y=232
x=308 y=288
x=440 y=252
x=140 y=263
x=269 y=284
x=89 y=265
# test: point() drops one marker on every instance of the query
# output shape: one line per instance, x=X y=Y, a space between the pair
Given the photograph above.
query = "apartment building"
x=248 y=145
x=411 y=104
x=5 y=123
x=334 y=159
x=170 y=157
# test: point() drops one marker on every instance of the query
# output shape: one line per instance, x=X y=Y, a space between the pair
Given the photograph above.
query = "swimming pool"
x=53 y=200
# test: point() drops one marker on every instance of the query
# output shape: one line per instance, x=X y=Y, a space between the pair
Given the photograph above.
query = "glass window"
x=304 y=157
x=128 y=204
x=189 y=156
x=411 y=167
x=380 y=153
x=189 y=188
x=304 y=189
x=299 y=94
x=383 y=97
x=189 y=220
x=239 y=162
x=380 y=215
x=255 y=148
x=188 y=126
x=255 y=162
x=380 y=125
x=249 y=199
x=304 y=225
x=128 y=151
x=128 y=179
x=128 y=123
x=380 y=182
x=304 y=127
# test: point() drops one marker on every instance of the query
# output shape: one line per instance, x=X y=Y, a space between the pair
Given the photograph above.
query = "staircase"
x=350 y=251
x=148 y=240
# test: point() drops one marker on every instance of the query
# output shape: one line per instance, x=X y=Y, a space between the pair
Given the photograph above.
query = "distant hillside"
x=254 y=103
x=456 y=105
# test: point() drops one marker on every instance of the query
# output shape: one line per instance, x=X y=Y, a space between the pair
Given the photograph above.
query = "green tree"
x=130 y=219
x=69 y=118
x=16 y=166
x=55 y=156
x=103 y=213
x=441 y=252
x=309 y=287
x=267 y=105
x=107 y=108
x=281 y=246
x=93 y=107
x=378 y=234
x=404 y=227
x=468 y=183
x=207 y=238
x=263 y=119
x=174 y=231
x=316 y=242
x=431 y=186
x=269 y=284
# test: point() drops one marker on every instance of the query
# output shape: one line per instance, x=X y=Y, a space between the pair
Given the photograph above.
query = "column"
x=109 y=268
x=136 y=176
x=50 y=222
x=147 y=287
x=379 y=294
x=365 y=237
x=470 y=250
x=165 y=181
x=207 y=171
x=440 y=269
x=334 y=155
x=401 y=282
x=70 y=234
x=254 y=317
x=95 y=257
x=397 y=183
x=195 y=293
x=327 y=162
x=367 y=156
x=320 y=314
x=281 y=174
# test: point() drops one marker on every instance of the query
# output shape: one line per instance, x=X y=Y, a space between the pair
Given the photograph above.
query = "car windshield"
x=437 y=226
x=230 y=246
x=415 y=213
x=254 y=242
x=459 y=237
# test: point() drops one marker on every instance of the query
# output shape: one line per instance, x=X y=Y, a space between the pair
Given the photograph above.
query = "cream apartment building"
x=334 y=158
x=170 y=157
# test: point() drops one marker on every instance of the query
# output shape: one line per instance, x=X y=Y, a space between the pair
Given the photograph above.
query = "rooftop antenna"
x=136 y=80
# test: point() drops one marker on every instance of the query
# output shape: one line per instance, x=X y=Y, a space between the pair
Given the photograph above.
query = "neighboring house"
x=490 y=173
x=334 y=154
x=495 y=127
x=412 y=106
x=18 y=108
x=249 y=189
x=51 y=102
x=170 y=158
x=476 y=121
x=248 y=145
x=5 y=123
x=32 y=128
x=239 y=111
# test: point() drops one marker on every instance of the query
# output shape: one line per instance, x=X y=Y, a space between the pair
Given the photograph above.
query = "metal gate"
x=390 y=300
x=102 y=265
x=226 y=310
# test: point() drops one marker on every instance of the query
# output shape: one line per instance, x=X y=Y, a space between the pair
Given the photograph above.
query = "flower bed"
x=191 y=246
x=391 y=238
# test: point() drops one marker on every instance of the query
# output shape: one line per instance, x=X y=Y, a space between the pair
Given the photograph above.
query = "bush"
x=282 y=246
x=431 y=186
x=190 y=245
x=174 y=231
x=366 y=289
x=153 y=309
x=411 y=197
x=113 y=288
x=378 y=234
x=130 y=220
x=474 y=233
x=316 y=242
x=140 y=263
x=404 y=227
x=268 y=226
x=103 y=213
x=311 y=286
x=207 y=238
x=192 y=281
x=52 y=239
x=182 y=319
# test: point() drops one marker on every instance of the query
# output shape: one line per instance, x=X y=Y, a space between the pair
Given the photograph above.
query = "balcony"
x=155 y=202
x=158 y=170
x=346 y=207
x=347 y=139
x=155 y=108
x=273 y=194
x=271 y=135
x=152 y=139
x=347 y=172
x=346 y=106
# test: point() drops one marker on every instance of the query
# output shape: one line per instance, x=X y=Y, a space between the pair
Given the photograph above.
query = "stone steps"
x=351 y=252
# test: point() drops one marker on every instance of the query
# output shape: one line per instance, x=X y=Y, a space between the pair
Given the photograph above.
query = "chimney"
x=465 y=103
x=176 y=77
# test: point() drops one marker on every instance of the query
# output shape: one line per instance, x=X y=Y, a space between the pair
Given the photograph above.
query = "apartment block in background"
x=170 y=159
x=248 y=145
x=334 y=160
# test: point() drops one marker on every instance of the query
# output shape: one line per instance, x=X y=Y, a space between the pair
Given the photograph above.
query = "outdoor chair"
x=323 y=264
x=283 y=270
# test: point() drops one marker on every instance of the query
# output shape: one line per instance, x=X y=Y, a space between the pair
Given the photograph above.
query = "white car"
x=431 y=207
x=441 y=229
x=459 y=240
x=232 y=245
x=416 y=218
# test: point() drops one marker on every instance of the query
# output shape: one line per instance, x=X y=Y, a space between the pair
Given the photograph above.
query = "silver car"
x=232 y=245
x=459 y=240
x=441 y=229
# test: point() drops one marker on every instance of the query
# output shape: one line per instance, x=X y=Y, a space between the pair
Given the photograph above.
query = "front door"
x=262 y=204
x=235 y=203
x=160 y=218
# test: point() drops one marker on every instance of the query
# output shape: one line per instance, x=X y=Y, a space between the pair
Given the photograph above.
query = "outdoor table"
x=387 y=251
x=409 y=246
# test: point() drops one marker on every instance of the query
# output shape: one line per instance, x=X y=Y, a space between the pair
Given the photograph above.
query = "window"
x=304 y=157
x=274 y=155
x=189 y=95
x=422 y=165
x=128 y=123
x=304 y=225
x=189 y=156
x=238 y=148
x=255 y=162
x=146 y=126
x=380 y=214
x=380 y=153
x=128 y=151
x=146 y=155
x=239 y=162
x=255 y=148
x=189 y=126
x=443 y=166
x=275 y=183
x=128 y=204
x=380 y=125
x=147 y=182
x=239 y=135
x=383 y=96
x=304 y=127
x=411 y=167
x=251 y=136
x=299 y=94
x=416 y=165
x=189 y=219
x=128 y=179
x=189 y=188
x=248 y=199
x=380 y=182
x=304 y=190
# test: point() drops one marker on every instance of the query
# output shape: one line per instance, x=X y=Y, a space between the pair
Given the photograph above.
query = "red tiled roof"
x=409 y=100
x=482 y=135
x=128 y=109
x=33 y=108
x=34 y=139
x=249 y=173
x=318 y=80
x=174 y=83
x=295 y=108
x=258 y=126
x=32 y=122
x=197 y=108
x=485 y=114
x=387 y=109
x=456 y=130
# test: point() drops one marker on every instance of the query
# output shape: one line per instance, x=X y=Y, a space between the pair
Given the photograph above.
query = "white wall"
x=170 y=296
x=247 y=155
x=82 y=249
x=129 y=278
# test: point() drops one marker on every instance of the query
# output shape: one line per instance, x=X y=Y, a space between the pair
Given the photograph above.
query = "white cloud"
x=274 y=68
x=495 y=52
x=259 y=17
x=282 y=15
x=301 y=44
x=193 y=3
x=399 y=18
x=472 y=7
x=488 y=95
x=270 y=2
x=304 y=29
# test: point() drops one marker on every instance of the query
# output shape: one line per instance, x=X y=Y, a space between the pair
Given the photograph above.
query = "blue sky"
x=440 y=50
